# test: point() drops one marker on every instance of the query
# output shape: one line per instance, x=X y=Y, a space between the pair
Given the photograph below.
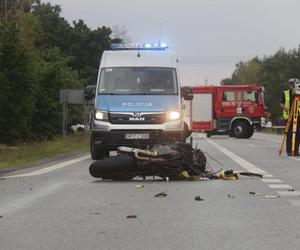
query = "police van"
x=138 y=99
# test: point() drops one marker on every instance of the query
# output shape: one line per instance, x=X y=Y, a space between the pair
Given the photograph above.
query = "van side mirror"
x=187 y=93
x=89 y=92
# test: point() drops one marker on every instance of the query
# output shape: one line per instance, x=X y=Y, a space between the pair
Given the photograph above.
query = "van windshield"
x=138 y=81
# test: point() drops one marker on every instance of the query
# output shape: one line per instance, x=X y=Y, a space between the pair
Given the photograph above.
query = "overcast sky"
x=208 y=36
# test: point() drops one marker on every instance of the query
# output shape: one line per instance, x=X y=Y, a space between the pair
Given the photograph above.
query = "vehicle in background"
x=78 y=128
x=235 y=110
x=138 y=100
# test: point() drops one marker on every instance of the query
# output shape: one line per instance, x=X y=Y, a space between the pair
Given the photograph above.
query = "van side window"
x=228 y=96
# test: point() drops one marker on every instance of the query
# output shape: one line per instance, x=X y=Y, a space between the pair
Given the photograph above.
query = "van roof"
x=138 y=58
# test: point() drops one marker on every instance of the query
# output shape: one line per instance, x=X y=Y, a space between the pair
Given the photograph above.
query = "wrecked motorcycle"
x=163 y=160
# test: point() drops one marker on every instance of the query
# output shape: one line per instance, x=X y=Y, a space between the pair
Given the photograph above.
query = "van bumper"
x=109 y=137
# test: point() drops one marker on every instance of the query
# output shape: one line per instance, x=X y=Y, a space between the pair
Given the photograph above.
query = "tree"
x=18 y=86
x=53 y=74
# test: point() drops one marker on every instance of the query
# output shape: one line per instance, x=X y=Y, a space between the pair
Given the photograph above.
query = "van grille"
x=137 y=118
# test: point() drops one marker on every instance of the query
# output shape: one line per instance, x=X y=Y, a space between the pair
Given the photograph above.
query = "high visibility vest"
x=285 y=114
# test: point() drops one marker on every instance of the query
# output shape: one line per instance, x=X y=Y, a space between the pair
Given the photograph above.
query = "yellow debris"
x=139 y=186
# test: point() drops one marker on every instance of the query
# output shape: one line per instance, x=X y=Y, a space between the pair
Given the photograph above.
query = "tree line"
x=272 y=72
x=41 y=53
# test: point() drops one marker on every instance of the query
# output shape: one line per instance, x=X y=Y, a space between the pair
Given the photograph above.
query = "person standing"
x=286 y=102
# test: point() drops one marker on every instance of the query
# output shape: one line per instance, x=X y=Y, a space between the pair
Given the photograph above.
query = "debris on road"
x=139 y=186
x=228 y=175
x=1 y=216
x=291 y=190
x=233 y=175
x=162 y=194
x=272 y=196
x=256 y=194
x=230 y=196
x=265 y=196
x=95 y=213
x=131 y=216
x=198 y=198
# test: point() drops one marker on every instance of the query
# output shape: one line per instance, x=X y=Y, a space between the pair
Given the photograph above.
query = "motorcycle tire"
x=116 y=167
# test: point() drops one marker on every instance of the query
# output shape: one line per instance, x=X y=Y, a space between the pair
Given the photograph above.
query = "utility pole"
x=160 y=31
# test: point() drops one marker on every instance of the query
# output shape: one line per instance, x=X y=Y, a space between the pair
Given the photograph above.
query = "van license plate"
x=136 y=136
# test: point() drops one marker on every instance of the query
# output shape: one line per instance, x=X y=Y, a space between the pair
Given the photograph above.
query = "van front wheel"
x=97 y=153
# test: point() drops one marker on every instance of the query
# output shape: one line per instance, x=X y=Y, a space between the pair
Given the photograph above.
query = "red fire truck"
x=234 y=110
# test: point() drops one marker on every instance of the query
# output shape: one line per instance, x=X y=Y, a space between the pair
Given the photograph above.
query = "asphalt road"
x=59 y=206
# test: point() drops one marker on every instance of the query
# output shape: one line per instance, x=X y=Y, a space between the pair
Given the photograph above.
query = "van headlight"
x=101 y=115
x=173 y=115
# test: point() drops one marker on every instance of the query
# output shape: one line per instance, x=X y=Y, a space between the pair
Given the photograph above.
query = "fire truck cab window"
x=228 y=96
x=250 y=96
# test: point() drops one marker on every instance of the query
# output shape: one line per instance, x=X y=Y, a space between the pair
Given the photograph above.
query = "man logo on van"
x=137 y=104
x=137 y=117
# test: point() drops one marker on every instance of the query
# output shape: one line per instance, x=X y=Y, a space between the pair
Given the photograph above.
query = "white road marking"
x=51 y=168
x=272 y=181
x=268 y=176
x=261 y=146
x=283 y=186
x=288 y=193
x=239 y=160
x=252 y=168
x=25 y=201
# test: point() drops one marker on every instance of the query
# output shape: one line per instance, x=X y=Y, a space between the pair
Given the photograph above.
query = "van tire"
x=97 y=153
x=186 y=130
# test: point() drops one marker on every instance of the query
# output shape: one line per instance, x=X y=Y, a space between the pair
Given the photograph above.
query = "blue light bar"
x=139 y=46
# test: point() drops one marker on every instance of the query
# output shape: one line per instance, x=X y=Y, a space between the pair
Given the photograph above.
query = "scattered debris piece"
x=255 y=193
x=30 y=188
x=1 y=216
x=272 y=196
x=230 y=196
x=185 y=176
x=162 y=194
x=291 y=190
x=228 y=175
x=112 y=204
x=131 y=216
x=95 y=213
x=198 y=198
x=139 y=186
x=249 y=174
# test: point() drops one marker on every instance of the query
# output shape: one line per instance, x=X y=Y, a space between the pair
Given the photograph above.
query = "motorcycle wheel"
x=116 y=167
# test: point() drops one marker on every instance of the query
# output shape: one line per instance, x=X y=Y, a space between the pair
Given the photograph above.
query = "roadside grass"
x=25 y=154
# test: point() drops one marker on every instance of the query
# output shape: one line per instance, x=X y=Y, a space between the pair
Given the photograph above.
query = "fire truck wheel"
x=250 y=131
x=239 y=129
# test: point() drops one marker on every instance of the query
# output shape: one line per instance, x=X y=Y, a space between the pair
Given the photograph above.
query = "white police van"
x=138 y=99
